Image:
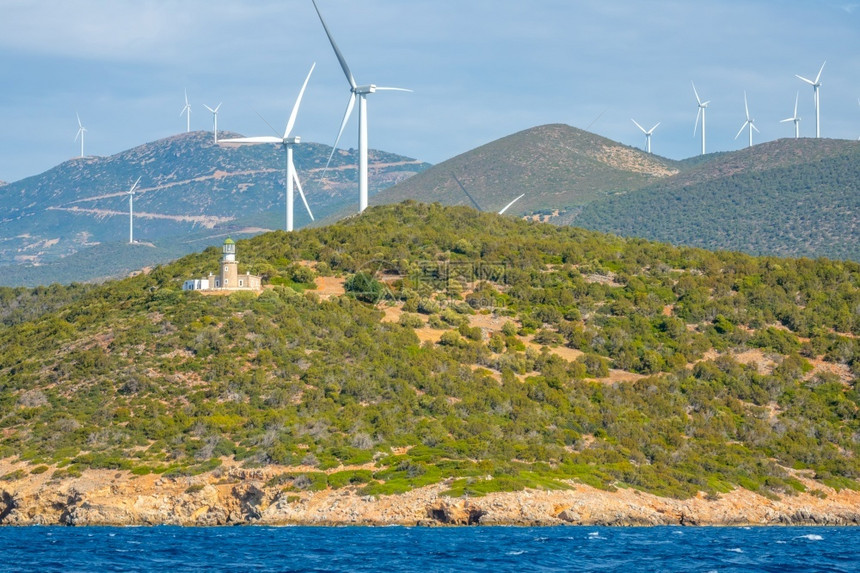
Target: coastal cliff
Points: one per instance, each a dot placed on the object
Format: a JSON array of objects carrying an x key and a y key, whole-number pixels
[{"x": 236, "y": 496}]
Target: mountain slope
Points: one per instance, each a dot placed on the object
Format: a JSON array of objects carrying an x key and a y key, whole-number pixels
[
  {"x": 556, "y": 166},
  {"x": 187, "y": 184},
  {"x": 788, "y": 197},
  {"x": 480, "y": 352}
]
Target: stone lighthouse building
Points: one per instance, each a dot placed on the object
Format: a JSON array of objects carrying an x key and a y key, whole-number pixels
[{"x": 228, "y": 277}]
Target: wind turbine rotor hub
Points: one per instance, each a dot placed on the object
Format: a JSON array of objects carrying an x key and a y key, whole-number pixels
[
  {"x": 361, "y": 90},
  {"x": 292, "y": 140}
]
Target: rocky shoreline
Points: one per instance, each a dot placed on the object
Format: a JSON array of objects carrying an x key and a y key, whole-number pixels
[{"x": 237, "y": 496}]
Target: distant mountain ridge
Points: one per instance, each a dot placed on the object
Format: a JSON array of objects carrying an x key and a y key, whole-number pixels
[
  {"x": 557, "y": 167},
  {"x": 790, "y": 197},
  {"x": 189, "y": 188}
]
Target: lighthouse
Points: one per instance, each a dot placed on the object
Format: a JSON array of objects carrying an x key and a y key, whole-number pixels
[
  {"x": 228, "y": 277},
  {"x": 229, "y": 266}
]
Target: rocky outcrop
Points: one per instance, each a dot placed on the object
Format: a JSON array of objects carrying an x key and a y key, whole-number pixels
[
  {"x": 459, "y": 512},
  {"x": 234, "y": 495}
]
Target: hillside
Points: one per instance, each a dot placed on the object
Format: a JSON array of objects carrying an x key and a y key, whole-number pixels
[
  {"x": 557, "y": 167},
  {"x": 421, "y": 346},
  {"x": 788, "y": 197},
  {"x": 189, "y": 188}
]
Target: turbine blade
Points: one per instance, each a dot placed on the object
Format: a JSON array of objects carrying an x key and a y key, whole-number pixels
[
  {"x": 506, "y": 207},
  {"x": 698, "y": 115},
  {"x": 349, "y": 107},
  {"x": 302, "y": 194},
  {"x": 79, "y": 119},
  {"x": 296, "y": 105},
  {"x": 469, "y": 195},
  {"x": 741, "y": 130},
  {"x": 275, "y": 131},
  {"x": 752, "y": 125},
  {"x": 810, "y": 82},
  {"x": 796, "y": 99},
  {"x": 133, "y": 187},
  {"x": 653, "y": 128},
  {"x": 818, "y": 77},
  {"x": 389, "y": 89},
  {"x": 746, "y": 106},
  {"x": 340, "y": 58},
  {"x": 695, "y": 92},
  {"x": 209, "y": 108},
  {"x": 639, "y": 126},
  {"x": 260, "y": 139},
  {"x": 787, "y": 119}
]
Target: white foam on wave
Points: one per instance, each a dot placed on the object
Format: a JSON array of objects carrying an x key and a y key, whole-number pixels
[
  {"x": 735, "y": 550},
  {"x": 811, "y": 537},
  {"x": 514, "y": 552}
]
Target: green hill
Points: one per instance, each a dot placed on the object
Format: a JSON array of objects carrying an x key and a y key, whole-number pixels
[
  {"x": 788, "y": 197},
  {"x": 558, "y": 167},
  {"x": 490, "y": 352}
]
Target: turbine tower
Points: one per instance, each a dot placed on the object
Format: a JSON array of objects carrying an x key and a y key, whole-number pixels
[
  {"x": 750, "y": 123},
  {"x": 794, "y": 118},
  {"x": 131, "y": 212},
  {"x": 81, "y": 131},
  {"x": 288, "y": 143},
  {"x": 647, "y": 134},
  {"x": 187, "y": 111},
  {"x": 701, "y": 112},
  {"x": 816, "y": 97},
  {"x": 362, "y": 93},
  {"x": 215, "y": 115}
]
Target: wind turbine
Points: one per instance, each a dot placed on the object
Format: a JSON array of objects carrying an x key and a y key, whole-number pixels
[
  {"x": 505, "y": 208},
  {"x": 816, "y": 97},
  {"x": 475, "y": 203},
  {"x": 362, "y": 93},
  {"x": 81, "y": 131},
  {"x": 701, "y": 112},
  {"x": 794, "y": 118},
  {"x": 131, "y": 212},
  {"x": 288, "y": 143},
  {"x": 215, "y": 115},
  {"x": 749, "y": 122},
  {"x": 186, "y": 110},
  {"x": 647, "y": 134}
]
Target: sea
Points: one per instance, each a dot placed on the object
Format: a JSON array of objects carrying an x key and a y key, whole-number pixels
[{"x": 408, "y": 549}]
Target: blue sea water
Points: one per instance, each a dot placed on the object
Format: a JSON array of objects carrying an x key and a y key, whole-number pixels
[{"x": 407, "y": 549}]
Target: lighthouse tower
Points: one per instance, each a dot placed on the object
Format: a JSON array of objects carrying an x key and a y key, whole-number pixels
[
  {"x": 229, "y": 266},
  {"x": 228, "y": 277}
]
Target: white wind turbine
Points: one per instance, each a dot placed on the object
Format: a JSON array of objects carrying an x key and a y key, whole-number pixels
[
  {"x": 647, "y": 134},
  {"x": 475, "y": 203},
  {"x": 701, "y": 112},
  {"x": 215, "y": 115},
  {"x": 361, "y": 92},
  {"x": 81, "y": 131},
  {"x": 750, "y": 123},
  {"x": 187, "y": 111},
  {"x": 288, "y": 143},
  {"x": 816, "y": 97},
  {"x": 794, "y": 118},
  {"x": 131, "y": 212},
  {"x": 505, "y": 208}
]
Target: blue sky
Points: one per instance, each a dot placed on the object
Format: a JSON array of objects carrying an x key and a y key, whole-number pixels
[{"x": 481, "y": 69}]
